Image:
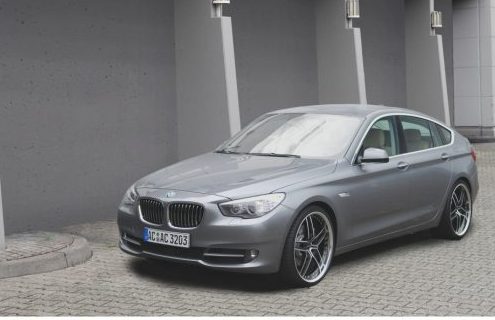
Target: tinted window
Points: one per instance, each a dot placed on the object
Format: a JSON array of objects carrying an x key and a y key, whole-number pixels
[
  {"x": 417, "y": 133},
  {"x": 445, "y": 134},
  {"x": 300, "y": 134},
  {"x": 382, "y": 136}
]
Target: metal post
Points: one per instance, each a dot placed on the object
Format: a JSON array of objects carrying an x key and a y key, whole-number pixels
[{"x": 2, "y": 230}]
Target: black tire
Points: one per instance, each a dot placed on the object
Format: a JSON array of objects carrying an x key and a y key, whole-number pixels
[
  {"x": 448, "y": 228},
  {"x": 288, "y": 273}
]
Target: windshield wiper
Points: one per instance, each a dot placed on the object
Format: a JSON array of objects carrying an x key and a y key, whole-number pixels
[
  {"x": 272, "y": 154},
  {"x": 228, "y": 151}
]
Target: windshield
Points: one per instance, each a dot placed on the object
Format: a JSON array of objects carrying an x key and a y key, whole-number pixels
[{"x": 295, "y": 134}]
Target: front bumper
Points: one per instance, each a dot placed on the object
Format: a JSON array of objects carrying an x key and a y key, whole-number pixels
[{"x": 219, "y": 242}]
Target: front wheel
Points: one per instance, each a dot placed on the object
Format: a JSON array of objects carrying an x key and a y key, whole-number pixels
[
  {"x": 309, "y": 248},
  {"x": 457, "y": 214}
]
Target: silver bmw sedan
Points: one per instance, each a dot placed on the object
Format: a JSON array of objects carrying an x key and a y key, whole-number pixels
[{"x": 298, "y": 186}]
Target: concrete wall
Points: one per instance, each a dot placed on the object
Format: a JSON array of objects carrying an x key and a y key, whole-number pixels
[
  {"x": 207, "y": 99},
  {"x": 275, "y": 48},
  {"x": 467, "y": 64},
  {"x": 87, "y": 105},
  {"x": 339, "y": 54},
  {"x": 487, "y": 75},
  {"x": 384, "y": 53},
  {"x": 425, "y": 66},
  {"x": 383, "y": 37},
  {"x": 473, "y": 67}
]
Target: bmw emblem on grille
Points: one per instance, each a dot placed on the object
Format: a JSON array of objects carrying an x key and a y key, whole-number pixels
[{"x": 170, "y": 194}]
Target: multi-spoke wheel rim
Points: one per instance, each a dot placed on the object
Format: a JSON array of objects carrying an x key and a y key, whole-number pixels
[
  {"x": 460, "y": 209},
  {"x": 313, "y": 247}
]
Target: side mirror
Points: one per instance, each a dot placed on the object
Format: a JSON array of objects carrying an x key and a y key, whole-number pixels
[{"x": 374, "y": 155}]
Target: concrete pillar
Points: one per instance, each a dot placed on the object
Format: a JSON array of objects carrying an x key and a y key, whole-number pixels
[
  {"x": 207, "y": 99},
  {"x": 426, "y": 82},
  {"x": 474, "y": 65},
  {"x": 2, "y": 226},
  {"x": 339, "y": 54},
  {"x": 447, "y": 32},
  {"x": 487, "y": 72},
  {"x": 383, "y": 51}
]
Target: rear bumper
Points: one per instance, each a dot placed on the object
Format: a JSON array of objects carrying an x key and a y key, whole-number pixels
[
  {"x": 219, "y": 242},
  {"x": 474, "y": 184}
]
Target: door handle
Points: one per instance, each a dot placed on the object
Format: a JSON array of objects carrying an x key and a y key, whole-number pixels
[
  {"x": 445, "y": 156},
  {"x": 402, "y": 165}
]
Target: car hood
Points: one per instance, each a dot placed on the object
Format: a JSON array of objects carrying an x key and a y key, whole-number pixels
[{"x": 235, "y": 176}]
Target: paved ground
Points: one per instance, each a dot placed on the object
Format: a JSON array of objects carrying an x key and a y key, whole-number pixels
[
  {"x": 414, "y": 275},
  {"x": 23, "y": 246},
  {"x": 32, "y": 253}
]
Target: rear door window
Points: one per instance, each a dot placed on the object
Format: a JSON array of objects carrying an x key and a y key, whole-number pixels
[{"x": 417, "y": 134}]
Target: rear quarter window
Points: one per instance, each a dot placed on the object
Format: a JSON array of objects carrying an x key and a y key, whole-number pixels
[{"x": 445, "y": 134}]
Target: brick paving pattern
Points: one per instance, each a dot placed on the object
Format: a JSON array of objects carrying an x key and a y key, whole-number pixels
[
  {"x": 22, "y": 246},
  {"x": 413, "y": 275}
]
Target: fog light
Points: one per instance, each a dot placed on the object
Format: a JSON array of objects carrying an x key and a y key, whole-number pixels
[{"x": 252, "y": 254}]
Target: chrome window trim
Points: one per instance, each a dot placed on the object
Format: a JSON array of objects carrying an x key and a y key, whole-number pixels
[{"x": 392, "y": 114}]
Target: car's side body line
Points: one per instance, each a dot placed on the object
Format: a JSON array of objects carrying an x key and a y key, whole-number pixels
[{"x": 391, "y": 235}]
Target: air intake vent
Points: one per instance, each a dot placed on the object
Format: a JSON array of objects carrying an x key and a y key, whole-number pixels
[
  {"x": 185, "y": 215},
  {"x": 152, "y": 211}
]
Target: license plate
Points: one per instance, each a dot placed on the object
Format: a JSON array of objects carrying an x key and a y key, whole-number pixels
[{"x": 167, "y": 238}]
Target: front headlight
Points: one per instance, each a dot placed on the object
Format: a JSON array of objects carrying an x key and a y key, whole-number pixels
[
  {"x": 130, "y": 197},
  {"x": 254, "y": 207}
]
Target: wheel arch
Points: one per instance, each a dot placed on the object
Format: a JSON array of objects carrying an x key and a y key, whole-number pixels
[
  {"x": 317, "y": 201},
  {"x": 331, "y": 213},
  {"x": 328, "y": 209},
  {"x": 466, "y": 180}
]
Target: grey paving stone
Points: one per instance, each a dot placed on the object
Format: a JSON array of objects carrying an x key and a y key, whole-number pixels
[{"x": 38, "y": 252}]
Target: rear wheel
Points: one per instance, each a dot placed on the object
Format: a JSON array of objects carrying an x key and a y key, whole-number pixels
[
  {"x": 457, "y": 214},
  {"x": 309, "y": 248}
]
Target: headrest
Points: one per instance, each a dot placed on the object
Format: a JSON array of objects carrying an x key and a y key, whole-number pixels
[
  {"x": 375, "y": 138},
  {"x": 412, "y": 135}
]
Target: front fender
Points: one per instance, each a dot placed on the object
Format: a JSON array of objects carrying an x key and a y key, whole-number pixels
[{"x": 299, "y": 199}]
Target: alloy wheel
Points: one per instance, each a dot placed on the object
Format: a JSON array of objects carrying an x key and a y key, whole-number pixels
[
  {"x": 313, "y": 247},
  {"x": 460, "y": 209}
]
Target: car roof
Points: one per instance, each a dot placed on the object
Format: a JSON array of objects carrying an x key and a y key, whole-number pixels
[{"x": 353, "y": 110}]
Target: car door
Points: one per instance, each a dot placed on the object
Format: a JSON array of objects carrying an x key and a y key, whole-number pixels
[
  {"x": 425, "y": 159},
  {"x": 376, "y": 191}
]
